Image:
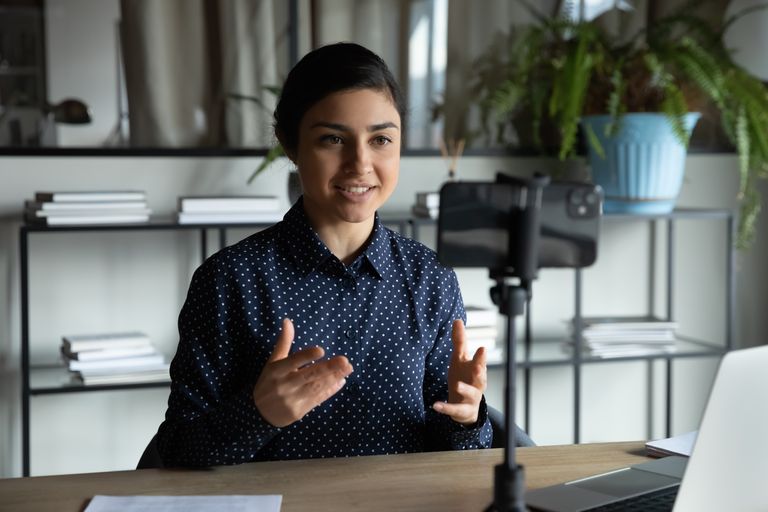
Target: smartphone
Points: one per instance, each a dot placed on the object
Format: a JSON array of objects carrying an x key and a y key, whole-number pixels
[{"x": 477, "y": 223}]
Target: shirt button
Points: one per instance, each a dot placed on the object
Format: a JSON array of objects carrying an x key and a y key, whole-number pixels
[{"x": 351, "y": 334}]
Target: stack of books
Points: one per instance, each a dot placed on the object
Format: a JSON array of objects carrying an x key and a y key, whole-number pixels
[
  {"x": 482, "y": 331},
  {"x": 427, "y": 205},
  {"x": 229, "y": 210},
  {"x": 627, "y": 336},
  {"x": 89, "y": 207},
  {"x": 113, "y": 358}
]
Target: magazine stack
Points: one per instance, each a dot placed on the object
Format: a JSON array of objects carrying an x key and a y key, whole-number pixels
[
  {"x": 427, "y": 205},
  {"x": 627, "y": 336},
  {"x": 482, "y": 331},
  {"x": 229, "y": 210},
  {"x": 89, "y": 207},
  {"x": 113, "y": 358}
]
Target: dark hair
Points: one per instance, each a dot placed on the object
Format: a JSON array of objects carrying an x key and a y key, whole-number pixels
[{"x": 326, "y": 70}]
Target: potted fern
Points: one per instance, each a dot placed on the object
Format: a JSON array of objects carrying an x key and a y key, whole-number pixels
[{"x": 589, "y": 85}]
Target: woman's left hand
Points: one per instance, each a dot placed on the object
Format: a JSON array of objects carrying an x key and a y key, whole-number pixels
[{"x": 467, "y": 379}]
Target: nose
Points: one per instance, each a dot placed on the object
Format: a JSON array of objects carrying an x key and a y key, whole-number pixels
[{"x": 359, "y": 160}]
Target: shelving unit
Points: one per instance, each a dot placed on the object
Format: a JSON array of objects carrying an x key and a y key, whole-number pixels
[
  {"x": 22, "y": 73},
  {"x": 539, "y": 353},
  {"x": 46, "y": 380}
]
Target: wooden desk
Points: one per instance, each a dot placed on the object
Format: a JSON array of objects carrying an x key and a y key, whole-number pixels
[{"x": 443, "y": 481}]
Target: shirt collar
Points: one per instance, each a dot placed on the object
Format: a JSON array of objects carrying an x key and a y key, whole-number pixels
[{"x": 308, "y": 252}]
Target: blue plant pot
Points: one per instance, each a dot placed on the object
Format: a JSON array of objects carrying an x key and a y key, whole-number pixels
[{"x": 644, "y": 163}]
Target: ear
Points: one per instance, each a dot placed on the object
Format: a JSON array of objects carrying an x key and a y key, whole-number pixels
[{"x": 281, "y": 139}]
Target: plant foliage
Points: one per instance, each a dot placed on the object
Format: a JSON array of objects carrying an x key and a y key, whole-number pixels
[{"x": 556, "y": 70}]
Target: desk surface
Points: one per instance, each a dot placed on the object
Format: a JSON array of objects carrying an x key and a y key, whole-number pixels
[{"x": 421, "y": 482}]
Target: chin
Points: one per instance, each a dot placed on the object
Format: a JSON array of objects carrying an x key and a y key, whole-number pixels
[{"x": 357, "y": 215}]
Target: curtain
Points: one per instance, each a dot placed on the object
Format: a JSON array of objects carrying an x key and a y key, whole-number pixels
[{"x": 196, "y": 71}]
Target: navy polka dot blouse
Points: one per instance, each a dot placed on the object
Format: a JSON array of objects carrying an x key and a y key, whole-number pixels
[{"x": 390, "y": 312}]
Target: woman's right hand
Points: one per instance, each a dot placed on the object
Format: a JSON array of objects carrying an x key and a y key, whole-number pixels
[{"x": 292, "y": 385}]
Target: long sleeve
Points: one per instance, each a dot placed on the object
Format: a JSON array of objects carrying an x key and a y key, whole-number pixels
[
  {"x": 442, "y": 432},
  {"x": 211, "y": 418}
]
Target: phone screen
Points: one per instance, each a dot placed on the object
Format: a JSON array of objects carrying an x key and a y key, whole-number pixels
[{"x": 476, "y": 222}]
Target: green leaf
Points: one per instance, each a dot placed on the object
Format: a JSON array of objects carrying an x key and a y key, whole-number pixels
[{"x": 273, "y": 154}]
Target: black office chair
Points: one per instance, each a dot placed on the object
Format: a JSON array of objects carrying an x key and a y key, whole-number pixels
[
  {"x": 151, "y": 456},
  {"x": 499, "y": 432}
]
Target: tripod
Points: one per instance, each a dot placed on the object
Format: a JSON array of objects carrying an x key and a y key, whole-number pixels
[{"x": 509, "y": 477}]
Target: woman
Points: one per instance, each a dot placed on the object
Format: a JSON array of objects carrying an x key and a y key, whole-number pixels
[{"x": 327, "y": 334}]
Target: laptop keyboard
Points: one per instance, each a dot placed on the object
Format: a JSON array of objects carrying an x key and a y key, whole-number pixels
[{"x": 656, "y": 501}]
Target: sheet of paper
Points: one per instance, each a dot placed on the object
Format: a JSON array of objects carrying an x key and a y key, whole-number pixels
[
  {"x": 234, "y": 503},
  {"x": 677, "y": 445}
]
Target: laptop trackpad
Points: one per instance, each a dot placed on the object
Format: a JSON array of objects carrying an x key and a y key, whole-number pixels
[{"x": 625, "y": 482}]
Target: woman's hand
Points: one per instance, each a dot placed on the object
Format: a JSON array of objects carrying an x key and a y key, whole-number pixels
[
  {"x": 292, "y": 385},
  {"x": 467, "y": 379}
]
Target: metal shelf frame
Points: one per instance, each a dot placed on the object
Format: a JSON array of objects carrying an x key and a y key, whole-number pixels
[
  {"x": 577, "y": 360},
  {"x": 398, "y": 220},
  {"x": 404, "y": 222}
]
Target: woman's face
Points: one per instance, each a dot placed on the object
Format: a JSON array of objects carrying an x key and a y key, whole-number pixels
[{"x": 348, "y": 156}]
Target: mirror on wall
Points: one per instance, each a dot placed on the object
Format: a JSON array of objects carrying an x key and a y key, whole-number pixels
[
  {"x": 200, "y": 75},
  {"x": 194, "y": 74}
]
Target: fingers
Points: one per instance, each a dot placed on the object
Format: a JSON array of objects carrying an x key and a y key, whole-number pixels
[
  {"x": 459, "y": 343},
  {"x": 318, "y": 390},
  {"x": 480, "y": 357},
  {"x": 284, "y": 341},
  {"x": 466, "y": 414}
]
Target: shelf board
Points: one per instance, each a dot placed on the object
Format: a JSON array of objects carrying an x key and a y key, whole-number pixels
[
  {"x": 46, "y": 380},
  {"x": 555, "y": 352},
  {"x": 166, "y": 223}
]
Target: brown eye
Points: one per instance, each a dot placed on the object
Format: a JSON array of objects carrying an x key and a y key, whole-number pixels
[
  {"x": 382, "y": 140},
  {"x": 332, "y": 139}
]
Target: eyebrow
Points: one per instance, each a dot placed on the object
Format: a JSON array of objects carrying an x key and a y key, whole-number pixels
[{"x": 344, "y": 128}]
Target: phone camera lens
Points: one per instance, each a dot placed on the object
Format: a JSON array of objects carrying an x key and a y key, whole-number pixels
[
  {"x": 576, "y": 197},
  {"x": 590, "y": 198}
]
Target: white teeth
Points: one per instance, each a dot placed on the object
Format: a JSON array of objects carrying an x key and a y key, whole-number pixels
[{"x": 356, "y": 190}]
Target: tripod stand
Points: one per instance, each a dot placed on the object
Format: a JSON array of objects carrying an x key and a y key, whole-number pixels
[{"x": 509, "y": 477}]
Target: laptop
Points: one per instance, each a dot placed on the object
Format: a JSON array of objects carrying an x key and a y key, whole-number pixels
[{"x": 727, "y": 470}]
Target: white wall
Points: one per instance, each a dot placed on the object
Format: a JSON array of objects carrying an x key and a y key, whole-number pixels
[{"x": 94, "y": 281}]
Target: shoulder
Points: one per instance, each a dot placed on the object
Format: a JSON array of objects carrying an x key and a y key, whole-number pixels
[
  {"x": 417, "y": 260},
  {"x": 253, "y": 252}
]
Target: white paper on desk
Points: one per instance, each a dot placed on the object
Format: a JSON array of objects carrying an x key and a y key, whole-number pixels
[
  {"x": 234, "y": 503},
  {"x": 677, "y": 445}
]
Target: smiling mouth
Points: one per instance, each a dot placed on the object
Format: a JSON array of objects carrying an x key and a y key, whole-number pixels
[{"x": 355, "y": 190}]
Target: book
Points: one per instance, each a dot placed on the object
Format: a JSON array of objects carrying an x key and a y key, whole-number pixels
[
  {"x": 235, "y": 204},
  {"x": 101, "y": 212},
  {"x": 149, "y": 373},
  {"x": 108, "y": 353},
  {"x": 119, "y": 363},
  {"x": 428, "y": 199},
  {"x": 78, "y": 220},
  {"x": 423, "y": 211},
  {"x": 230, "y": 217},
  {"x": 624, "y": 349},
  {"x": 482, "y": 332},
  {"x": 100, "y": 341},
  {"x": 85, "y": 205},
  {"x": 474, "y": 344},
  {"x": 481, "y": 317},
  {"x": 90, "y": 196},
  {"x": 626, "y": 323}
]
